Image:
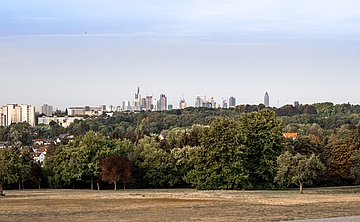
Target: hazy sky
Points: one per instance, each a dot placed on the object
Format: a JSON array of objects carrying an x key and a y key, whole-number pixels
[{"x": 90, "y": 52}]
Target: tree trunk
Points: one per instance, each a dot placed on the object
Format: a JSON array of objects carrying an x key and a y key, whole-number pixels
[
  {"x": 1, "y": 190},
  {"x": 19, "y": 182},
  {"x": 92, "y": 183},
  {"x": 301, "y": 187},
  {"x": 115, "y": 185},
  {"x": 39, "y": 184},
  {"x": 22, "y": 182},
  {"x": 124, "y": 186},
  {"x": 98, "y": 185}
]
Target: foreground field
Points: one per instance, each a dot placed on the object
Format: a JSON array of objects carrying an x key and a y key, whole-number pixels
[{"x": 178, "y": 205}]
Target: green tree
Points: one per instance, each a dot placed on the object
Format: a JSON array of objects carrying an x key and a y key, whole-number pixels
[
  {"x": 264, "y": 142},
  {"x": 79, "y": 160},
  {"x": 220, "y": 161},
  {"x": 8, "y": 173},
  {"x": 298, "y": 169}
]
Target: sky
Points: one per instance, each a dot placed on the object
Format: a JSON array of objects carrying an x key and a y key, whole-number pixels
[{"x": 88, "y": 52}]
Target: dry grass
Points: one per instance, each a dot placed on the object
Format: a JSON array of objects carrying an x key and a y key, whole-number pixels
[{"x": 178, "y": 205}]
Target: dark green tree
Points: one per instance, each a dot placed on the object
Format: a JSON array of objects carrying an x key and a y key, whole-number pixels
[
  {"x": 264, "y": 142},
  {"x": 220, "y": 161},
  {"x": 8, "y": 172}
]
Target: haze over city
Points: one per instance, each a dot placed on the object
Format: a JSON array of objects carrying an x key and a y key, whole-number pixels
[{"x": 69, "y": 53}]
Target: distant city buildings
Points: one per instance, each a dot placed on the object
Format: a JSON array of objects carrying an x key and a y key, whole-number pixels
[
  {"x": 296, "y": 103},
  {"x": 62, "y": 121},
  {"x": 162, "y": 103},
  {"x": 46, "y": 110},
  {"x": 182, "y": 104},
  {"x": 266, "y": 100},
  {"x": 232, "y": 102},
  {"x": 86, "y": 110},
  {"x": 201, "y": 101},
  {"x": 14, "y": 113},
  {"x": 224, "y": 104}
]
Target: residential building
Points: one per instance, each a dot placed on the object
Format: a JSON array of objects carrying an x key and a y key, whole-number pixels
[
  {"x": 62, "y": 121},
  {"x": 14, "y": 113},
  {"x": 46, "y": 109}
]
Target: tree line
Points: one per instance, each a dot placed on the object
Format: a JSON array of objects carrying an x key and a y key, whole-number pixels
[{"x": 241, "y": 148}]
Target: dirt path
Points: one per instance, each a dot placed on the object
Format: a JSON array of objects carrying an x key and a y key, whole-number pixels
[{"x": 177, "y": 205}]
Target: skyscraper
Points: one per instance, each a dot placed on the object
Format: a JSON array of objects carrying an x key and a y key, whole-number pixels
[
  {"x": 232, "y": 102},
  {"x": 182, "y": 104},
  {"x": 136, "y": 102},
  {"x": 266, "y": 99},
  {"x": 162, "y": 103},
  {"x": 149, "y": 103}
]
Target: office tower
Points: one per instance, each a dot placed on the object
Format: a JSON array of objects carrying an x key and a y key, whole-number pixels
[
  {"x": 197, "y": 101},
  {"x": 162, "y": 103},
  {"x": 266, "y": 99},
  {"x": 182, "y": 104},
  {"x": 149, "y": 103},
  {"x": 170, "y": 107},
  {"x": 126, "y": 105},
  {"x": 46, "y": 109},
  {"x": 211, "y": 102},
  {"x": 142, "y": 103},
  {"x": 232, "y": 102},
  {"x": 136, "y": 102},
  {"x": 224, "y": 104},
  {"x": 296, "y": 103}
]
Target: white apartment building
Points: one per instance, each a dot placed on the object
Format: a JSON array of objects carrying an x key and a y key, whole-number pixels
[
  {"x": 14, "y": 113},
  {"x": 62, "y": 121}
]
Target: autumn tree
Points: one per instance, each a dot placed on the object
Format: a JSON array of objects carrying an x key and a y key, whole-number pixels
[
  {"x": 116, "y": 168},
  {"x": 298, "y": 169},
  {"x": 340, "y": 150}
]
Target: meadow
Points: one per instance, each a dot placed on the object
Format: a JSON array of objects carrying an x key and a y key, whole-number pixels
[{"x": 178, "y": 205}]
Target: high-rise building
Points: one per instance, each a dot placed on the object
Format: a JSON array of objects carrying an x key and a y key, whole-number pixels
[
  {"x": 126, "y": 105},
  {"x": 46, "y": 109},
  {"x": 224, "y": 104},
  {"x": 14, "y": 113},
  {"x": 266, "y": 100},
  {"x": 232, "y": 102},
  {"x": 296, "y": 103},
  {"x": 182, "y": 104},
  {"x": 136, "y": 102},
  {"x": 149, "y": 103},
  {"x": 162, "y": 103},
  {"x": 143, "y": 104}
]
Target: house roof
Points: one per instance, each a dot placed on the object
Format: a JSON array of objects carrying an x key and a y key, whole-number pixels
[{"x": 290, "y": 135}]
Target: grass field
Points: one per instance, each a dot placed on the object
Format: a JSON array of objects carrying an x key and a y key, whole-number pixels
[{"x": 178, "y": 205}]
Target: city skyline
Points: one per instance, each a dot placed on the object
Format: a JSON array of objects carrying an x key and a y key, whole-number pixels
[{"x": 88, "y": 52}]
